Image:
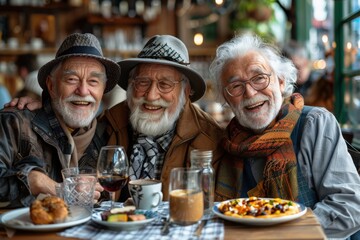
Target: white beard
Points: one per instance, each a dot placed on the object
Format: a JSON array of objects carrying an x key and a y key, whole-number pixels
[
  {"x": 75, "y": 118},
  {"x": 151, "y": 124},
  {"x": 259, "y": 120}
]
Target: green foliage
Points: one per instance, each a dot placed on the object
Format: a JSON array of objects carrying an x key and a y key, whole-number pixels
[{"x": 253, "y": 15}]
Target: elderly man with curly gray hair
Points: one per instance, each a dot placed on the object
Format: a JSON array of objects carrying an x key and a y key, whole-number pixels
[{"x": 277, "y": 147}]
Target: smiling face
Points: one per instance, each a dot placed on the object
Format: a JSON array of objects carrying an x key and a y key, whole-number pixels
[
  {"x": 152, "y": 111},
  {"x": 254, "y": 109},
  {"x": 76, "y": 88}
]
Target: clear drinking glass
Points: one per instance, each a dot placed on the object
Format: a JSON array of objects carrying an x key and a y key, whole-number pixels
[
  {"x": 76, "y": 172},
  {"x": 78, "y": 194},
  {"x": 186, "y": 196},
  {"x": 113, "y": 169}
]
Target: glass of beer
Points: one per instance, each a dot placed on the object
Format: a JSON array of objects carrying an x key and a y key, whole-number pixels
[{"x": 186, "y": 196}]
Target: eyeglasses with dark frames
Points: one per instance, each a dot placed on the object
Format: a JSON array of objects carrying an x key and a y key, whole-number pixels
[
  {"x": 164, "y": 85},
  {"x": 257, "y": 82}
]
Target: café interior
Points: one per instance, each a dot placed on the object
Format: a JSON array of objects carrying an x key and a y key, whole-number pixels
[{"x": 328, "y": 32}]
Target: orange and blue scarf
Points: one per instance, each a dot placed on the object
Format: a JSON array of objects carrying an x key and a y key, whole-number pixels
[{"x": 274, "y": 144}]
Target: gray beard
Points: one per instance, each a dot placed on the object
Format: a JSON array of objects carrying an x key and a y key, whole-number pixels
[
  {"x": 150, "y": 125},
  {"x": 250, "y": 121},
  {"x": 73, "y": 119}
]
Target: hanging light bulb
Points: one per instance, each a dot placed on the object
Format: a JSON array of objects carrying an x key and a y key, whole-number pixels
[
  {"x": 198, "y": 39},
  {"x": 220, "y": 6}
]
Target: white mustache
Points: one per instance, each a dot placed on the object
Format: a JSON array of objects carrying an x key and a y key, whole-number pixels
[
  {"x": 160, "y": 102},
  {"x": 74, "y": 98},
  {"x": 252, "y": 101}
]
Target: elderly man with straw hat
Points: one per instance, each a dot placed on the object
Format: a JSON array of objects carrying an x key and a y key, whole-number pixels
[
  {"x": 36, "y": 145},
  {"x": 158, "y": 124}
]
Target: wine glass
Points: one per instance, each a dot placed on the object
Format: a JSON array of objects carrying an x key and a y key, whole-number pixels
[{"x": 112, "y": 170}]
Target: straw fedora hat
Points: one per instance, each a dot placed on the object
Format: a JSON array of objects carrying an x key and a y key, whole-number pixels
[
  {"x": 81, "y": 45},
  {"x": 167, "y": 50}
]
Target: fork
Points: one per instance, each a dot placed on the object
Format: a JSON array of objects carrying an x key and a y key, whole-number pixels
[
  {"x": 199, "y": 228},
  {"x": 165, "y": 229}
]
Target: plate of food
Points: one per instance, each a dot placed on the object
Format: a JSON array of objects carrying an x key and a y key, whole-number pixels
[
  {"x": 126, "y": 218},
  {"x": 259, "y": 211},
  {"x": 42, "y": 218}
]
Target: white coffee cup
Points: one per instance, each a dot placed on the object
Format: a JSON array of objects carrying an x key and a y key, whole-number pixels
[{"x": 146, "y": 193}]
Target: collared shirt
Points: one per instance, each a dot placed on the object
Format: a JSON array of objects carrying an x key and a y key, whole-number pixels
[{"x": 329, "y": 170}]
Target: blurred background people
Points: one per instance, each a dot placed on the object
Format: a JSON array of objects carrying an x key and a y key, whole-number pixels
[
  {"x": 321, "y": 93},
  {"x": 4, "y": 96},
  {"x": 299, "y": 56},
  {"x": 27, "y": 68}
]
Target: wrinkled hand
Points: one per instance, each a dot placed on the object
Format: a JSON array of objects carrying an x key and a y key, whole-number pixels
[
  {"x": 24, "y": 102},
  {"x": 98, "y": 188},
  {"x": 41, "y": 183},
  {"x": 97, "y": 193}
]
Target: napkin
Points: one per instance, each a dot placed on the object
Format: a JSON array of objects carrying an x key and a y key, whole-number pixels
[{"x": 214, "y": 229}]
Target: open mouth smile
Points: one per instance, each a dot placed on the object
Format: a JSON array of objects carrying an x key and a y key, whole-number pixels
[
  {"x": 81, "y": 103},
  {"x": 255, "y": 106}
]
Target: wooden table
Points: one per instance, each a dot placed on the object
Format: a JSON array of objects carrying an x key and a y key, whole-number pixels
[{"x": 306, "y": 227}]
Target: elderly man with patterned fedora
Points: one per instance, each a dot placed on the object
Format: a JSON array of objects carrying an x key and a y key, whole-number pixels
[
  {"x": 36, "y": 145},
  {"x": 158, "y": 124}
]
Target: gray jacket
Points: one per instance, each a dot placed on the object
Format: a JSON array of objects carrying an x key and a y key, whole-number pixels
[{"x": 329, "y": 171}]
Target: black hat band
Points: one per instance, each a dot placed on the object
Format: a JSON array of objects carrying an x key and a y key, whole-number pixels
[{"x": 81, "y": 50}]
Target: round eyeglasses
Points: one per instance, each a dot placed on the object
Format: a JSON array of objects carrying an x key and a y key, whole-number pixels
[
  {"x": 143, "y": 84},
  {"x": 258, "y": 82}
]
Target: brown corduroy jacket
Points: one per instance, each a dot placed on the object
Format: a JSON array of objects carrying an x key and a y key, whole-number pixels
[{"x": 195, "y": 130}]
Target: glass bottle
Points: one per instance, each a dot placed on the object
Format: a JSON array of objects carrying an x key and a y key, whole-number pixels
[{"x": 202, "y": 159}]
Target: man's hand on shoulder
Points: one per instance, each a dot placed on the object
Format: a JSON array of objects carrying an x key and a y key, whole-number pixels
[{"x": 24, "y": 102}]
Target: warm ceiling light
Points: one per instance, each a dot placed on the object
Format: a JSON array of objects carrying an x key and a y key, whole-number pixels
[
  {"x": 219, "y": 2},
  {"x": 198, "y": 39},
  {"x": 325, "y": 38},
  {"x": 348, "y": 45}
]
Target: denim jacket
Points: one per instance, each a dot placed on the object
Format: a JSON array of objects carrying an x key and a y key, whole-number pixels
[{"x": 28, "y": 141}]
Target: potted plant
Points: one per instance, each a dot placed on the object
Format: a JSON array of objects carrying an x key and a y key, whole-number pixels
[{"x": 253, "y": 16}]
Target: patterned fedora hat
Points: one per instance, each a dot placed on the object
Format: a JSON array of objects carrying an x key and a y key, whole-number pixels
[
  {"x": 167, "y": 50},
  {"x": 81, "y": 45}
]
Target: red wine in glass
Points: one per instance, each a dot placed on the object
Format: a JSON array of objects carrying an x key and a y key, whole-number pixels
[
  {"x": 112, "y": 170},
  {"x": 113, "y": 183}
]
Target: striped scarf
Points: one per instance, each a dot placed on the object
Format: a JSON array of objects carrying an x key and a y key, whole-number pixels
[{"x": 274, "y": 144}]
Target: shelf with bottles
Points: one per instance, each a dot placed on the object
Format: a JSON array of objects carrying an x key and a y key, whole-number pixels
[
  {"x": 45, "y": 25},
  {"x": 115, "y": 20},
  {"x": 20, "y": 51},
  {"x": 6, "y": 53},
  {"x": 51, "y": 8}
]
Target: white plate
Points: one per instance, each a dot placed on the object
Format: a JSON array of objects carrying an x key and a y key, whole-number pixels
[
  {"x": 260, "y": 221},
  {"x": 127, "y": 226},
  {"x": 20, "y": 219}
]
